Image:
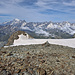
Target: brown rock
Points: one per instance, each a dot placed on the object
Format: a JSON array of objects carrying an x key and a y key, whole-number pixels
[
  {"x": 33, "y": 57},
  {"x": 43, "y": 61},
  {"x": 24, "y": 69},
  {"x": 28, "y": 57},
  {"x": 26, "y": 62},
  {"x": 0, "y": 69},
  {"x": 46, "y": 44},
  {"x": 17, "y": 71},
  {"x": 4, "y": 52},
  {"x": 57, "y": 60},
  {"x": 30, "y": 70},
  {"x": 9, "y": 54},
  {"x": 41, "y": 71},
  {"x": 0, "y": 58},
  {"x": 73, "y": 56},
  {"x": 28, "y": 53}
]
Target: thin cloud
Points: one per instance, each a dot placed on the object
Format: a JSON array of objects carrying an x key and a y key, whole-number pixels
[
  {"x": 38, "y": 10},
  {"x": 72, "y": 3}
]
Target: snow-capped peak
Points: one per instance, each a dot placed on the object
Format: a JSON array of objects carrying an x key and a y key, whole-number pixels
[{"x": 16, "y": 19}]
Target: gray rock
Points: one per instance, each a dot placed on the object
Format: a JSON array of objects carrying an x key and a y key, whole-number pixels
[{"x": 4, "y": 72}]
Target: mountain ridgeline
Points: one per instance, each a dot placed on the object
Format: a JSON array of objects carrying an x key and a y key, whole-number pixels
[{"x": 37, "y": 29}]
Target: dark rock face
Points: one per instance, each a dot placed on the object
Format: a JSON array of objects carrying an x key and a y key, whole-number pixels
[
  {"x": 74, "y": 36},
  {"x": 15, "y": 36}
]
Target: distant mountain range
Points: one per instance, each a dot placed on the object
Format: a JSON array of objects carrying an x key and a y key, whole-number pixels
[{"x": 37, "y": 29}]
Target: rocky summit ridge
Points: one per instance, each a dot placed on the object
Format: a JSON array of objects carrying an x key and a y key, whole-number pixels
[
  {"x": 41, "y": 59},
  {"x": 15, "y": 36}
]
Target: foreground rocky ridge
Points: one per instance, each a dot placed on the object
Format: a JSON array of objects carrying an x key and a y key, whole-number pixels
[
  {"x": 42, "y": 59},
  {"x": 15, "y": 36}
]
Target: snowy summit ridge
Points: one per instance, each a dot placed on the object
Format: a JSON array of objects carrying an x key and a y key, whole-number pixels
[{"x": 16, "y": 19}]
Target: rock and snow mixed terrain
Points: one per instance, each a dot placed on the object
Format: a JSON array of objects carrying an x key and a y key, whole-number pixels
[
  {"x": 64, "y": 42},
  {"x": 18, "y": 36},
  {"x": 25, "y": 40}
]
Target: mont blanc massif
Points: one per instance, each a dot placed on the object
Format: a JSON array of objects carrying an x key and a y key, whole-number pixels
[{"x": 46, "y": 30}]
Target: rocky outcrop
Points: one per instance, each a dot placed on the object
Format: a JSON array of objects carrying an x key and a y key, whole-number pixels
[
  {"x": 74, "y": 36},
  {"x": 15, "y": 36}
]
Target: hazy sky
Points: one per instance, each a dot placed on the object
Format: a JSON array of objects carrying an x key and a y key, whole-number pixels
[{"x": 37, "y": 10}]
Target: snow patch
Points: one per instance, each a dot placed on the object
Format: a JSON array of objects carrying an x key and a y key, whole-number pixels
[
  {"x": 23, "y": 24},
  {"x": 24, "y": 41},
  {"x": 21, "y": 40},
  {"x": 16, "y": 19},
  {"x": 26, "y": 28},
  {"x": 64, "y": 42},
  {"x": 23, "y": 37},
  {"x": 41, "y": 31}
]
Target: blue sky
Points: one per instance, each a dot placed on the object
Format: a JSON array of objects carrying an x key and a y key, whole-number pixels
[{"x": 37, "y": 10}]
